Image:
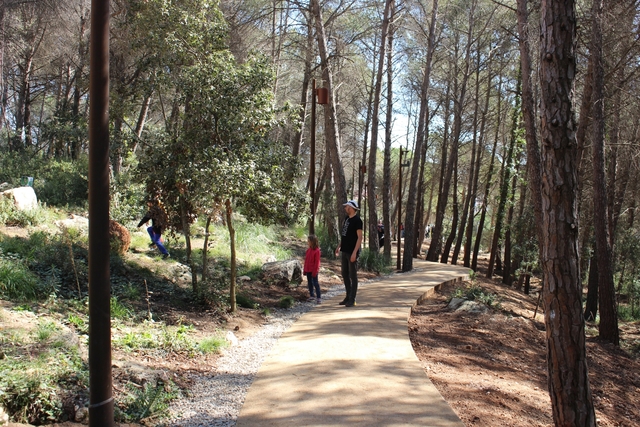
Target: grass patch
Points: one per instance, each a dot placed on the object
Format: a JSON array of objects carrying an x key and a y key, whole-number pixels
[
  {"x": 17, "y": 282},
  {"x": 213, "y": 345}
]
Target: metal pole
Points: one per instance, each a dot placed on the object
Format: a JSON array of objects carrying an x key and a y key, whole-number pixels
[
  {"x": 312, "y": 161},
  {"x": 100, "y": 383},
  {"x": 399, "y": 231}
]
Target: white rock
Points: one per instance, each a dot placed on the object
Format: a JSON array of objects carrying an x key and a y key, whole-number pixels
[{"x": 24, "y": 198}]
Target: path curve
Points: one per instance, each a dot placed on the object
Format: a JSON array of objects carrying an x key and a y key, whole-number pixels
[{"x": 339, "y": 366}]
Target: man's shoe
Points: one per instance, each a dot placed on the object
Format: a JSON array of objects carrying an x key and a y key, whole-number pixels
[
  {"x": 152, "y": 245},
  {"x": 343, "y": 302},
  {"x": 350, "y": 304},
  {"x": 165, "y": 256}
]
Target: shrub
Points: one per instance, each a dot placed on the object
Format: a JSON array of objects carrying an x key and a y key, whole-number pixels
[
  {"x": 286, "y": 301},
  {"x": 246, "y": 301},
  {"x": 63, "y": 183},
  {"x": 374, "y": 261},
  {"x": 17, "y": 283},
  {"x": 142, "y": 402},
  {"x": 10, "y": 215},
  {"x": 475, "y": 292}
]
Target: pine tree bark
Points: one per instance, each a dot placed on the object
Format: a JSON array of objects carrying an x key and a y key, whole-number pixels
[
  {"x": 608, "y": 308},
  {"x": 571, "y": 399}
]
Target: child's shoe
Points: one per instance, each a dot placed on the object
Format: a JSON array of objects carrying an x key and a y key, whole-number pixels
[
  {"x": 318, "y": 301},
  {"x": 311, "y": 299}
]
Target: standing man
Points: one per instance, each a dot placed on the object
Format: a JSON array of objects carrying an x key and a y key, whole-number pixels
[{"x": 350, "y": 241}]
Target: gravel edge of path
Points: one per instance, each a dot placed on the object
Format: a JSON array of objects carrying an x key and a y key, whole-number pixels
[{"x": 216, "y": 399}]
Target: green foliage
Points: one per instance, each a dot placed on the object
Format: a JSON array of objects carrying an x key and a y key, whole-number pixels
[
  {"x": 475, "y": 292},
  {"x": 246, "y": 301},
  {"x": 628, "y": 313},
  {"x": 78, "y": 322},
  {"x": 14, "y": 166},
  {"x": 17, "y": 283},
  {"x": 119, "y": 310},
  {"x": 10, "y": 215},
  {"x": 158, "y": 337},
  {"x": 34, "y": 377},
  {"x": 63, "y": 183},
  {"x": 286, "y": 301},
  {"x": 127, "y": 199},
  {"x": 45, "y": 330},
  {"x": 212, "y": 345},
  {"x": 327, "y": 246},
  {"x": 142, "y": 402},
  {"x": 48, "y": 257},
  {"x": 374, "y": 261}
]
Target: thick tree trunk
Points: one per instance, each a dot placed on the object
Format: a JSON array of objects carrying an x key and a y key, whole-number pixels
[{"x": 569, "y": 389}]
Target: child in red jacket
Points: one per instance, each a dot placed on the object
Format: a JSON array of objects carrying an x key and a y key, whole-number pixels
[{"x": 312, "y": 267}]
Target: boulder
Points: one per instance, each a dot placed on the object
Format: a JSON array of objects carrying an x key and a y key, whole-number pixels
[
  {"x": 119, "y": 237},
  {"x": 283, "y": 272},
  {"x": 24, "y": 198},
  {"x": 461, "y": 304},
  {"x": 76, "y": 222}
]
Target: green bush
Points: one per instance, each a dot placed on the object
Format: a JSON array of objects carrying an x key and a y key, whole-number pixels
[
  {"x": 17, "y": 283},
  {"x": 63, "y": 183},
  {"x": 373, "y": 261},
  {"x": 286, "y": 301}
]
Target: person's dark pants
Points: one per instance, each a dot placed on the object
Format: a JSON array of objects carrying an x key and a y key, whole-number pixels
[
  {"x": 156, "y": 238},
  {"x": 350, "y": 276},
  {"x": 313, "y": 284}
]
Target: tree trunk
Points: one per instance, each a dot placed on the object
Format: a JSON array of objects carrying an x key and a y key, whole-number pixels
[
  {"x": 436, "y": 233},
  {"x": 505, "y": 183},
  {"x": 205, "y": 250},
  {"x": 608, "y": 308},
  {"x": 454, "y": 217},
  {"x": 485, "y": 200},
  {"x": 569, "y": 389},
  {"x": 187, "y": 238},
  {"x": 591, "y": 305},
  {"x": 529, "y": 115},
  {"x": 420, "y": 148},
  {"x": 233, "y": 262},
  {"x": 332, "y": 135},
  {"x": 371, "y": 177},
  {"x": 468, "y": 243}
]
